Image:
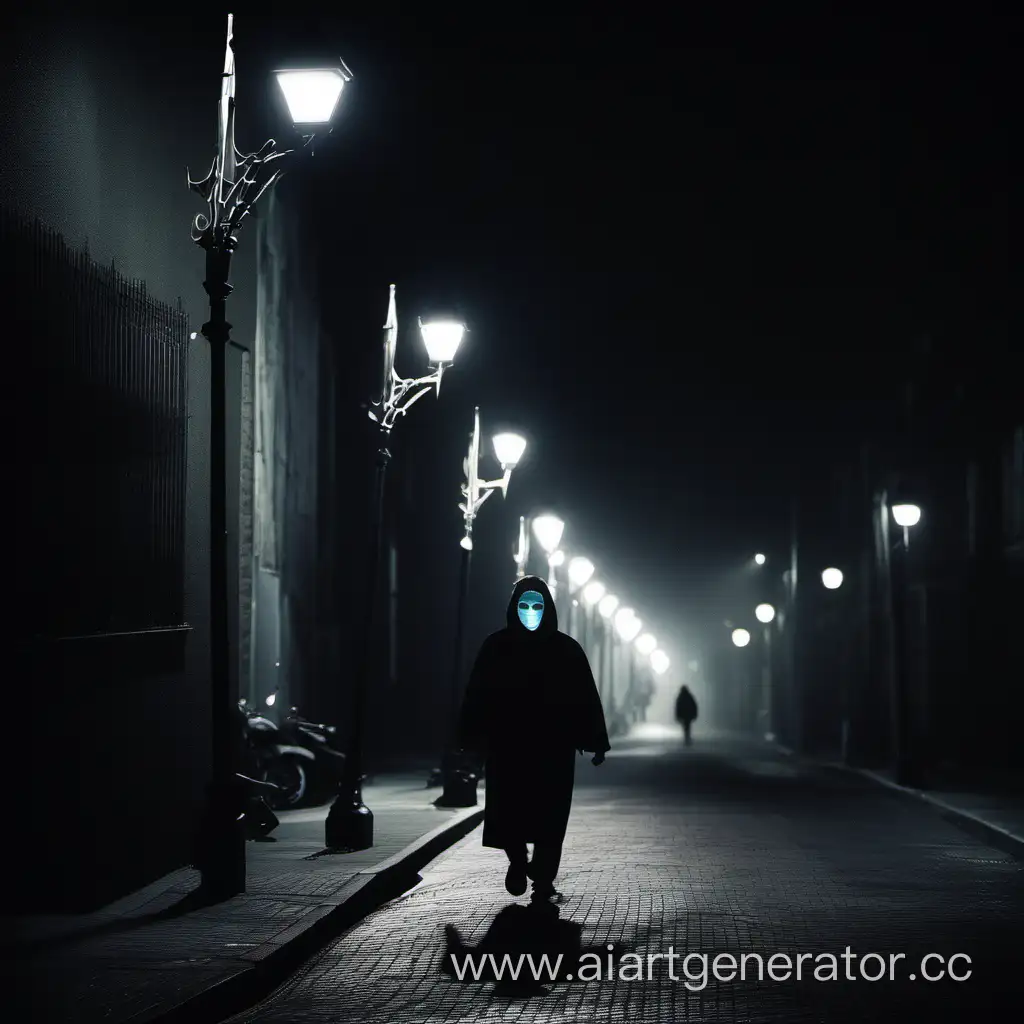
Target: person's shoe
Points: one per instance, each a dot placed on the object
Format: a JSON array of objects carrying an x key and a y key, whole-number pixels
[
  {"x": 544, "y": 893},
  {"x": 515, "y": 879}
]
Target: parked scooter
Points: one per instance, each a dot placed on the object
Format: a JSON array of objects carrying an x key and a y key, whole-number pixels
[
  {"x": 329, "y": 760},
  {"x": 273, "y": 759}
]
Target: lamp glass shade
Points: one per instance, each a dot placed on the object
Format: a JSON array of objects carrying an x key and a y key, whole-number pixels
[
  {"x": 659, "y": 662},
  {"x": 832, "y": 579},
  {"x": 646, "y": 643},
  {"x": 607, "y": 606},
  {"x": 764, "y": 613},
  {"x": 580, "y": 571},
  {"x": 508, "y": 448},
  {"x": 740, "y": 637},
  {"x": 442, "y": 339},
  {"x": 593, "y": 592},
  {"x": 311, "y": 95},
  {"x": 906, "y": 515},
  {"x": 759, "y": 558},
  {"x": 548, "y": 531}
]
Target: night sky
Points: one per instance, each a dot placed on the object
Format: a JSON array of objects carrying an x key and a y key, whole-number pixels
[{"x": 692, "y": 254}]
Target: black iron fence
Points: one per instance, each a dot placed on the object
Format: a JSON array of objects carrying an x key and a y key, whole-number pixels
[{"x": 98, "y": 411}]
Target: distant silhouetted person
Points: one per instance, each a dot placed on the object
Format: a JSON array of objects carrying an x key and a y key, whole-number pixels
[
  {"x": 531, "y": 705},
  {"x": 686, "y": 711}
]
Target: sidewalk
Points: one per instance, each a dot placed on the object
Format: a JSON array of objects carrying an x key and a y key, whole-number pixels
[
  {"x": 992, "y": 812},
  {"x": 152, "y": 956}
]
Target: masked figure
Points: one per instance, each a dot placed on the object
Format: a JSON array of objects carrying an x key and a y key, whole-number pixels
[{"x": 531, "y": 705}]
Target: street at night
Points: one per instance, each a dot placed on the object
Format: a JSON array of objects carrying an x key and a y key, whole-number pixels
[
  {"x": 722, "y": 848},
  {"x": 511, "y": 517}
]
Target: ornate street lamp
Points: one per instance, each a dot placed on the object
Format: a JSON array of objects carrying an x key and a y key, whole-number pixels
[
  {"x": 349, "y": 824},
  {"x": 459, "y": 780},
  {"x": 231, "y": 189}
]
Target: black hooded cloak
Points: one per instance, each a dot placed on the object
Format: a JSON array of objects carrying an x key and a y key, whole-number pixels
[{"x": 530, "y": 704}]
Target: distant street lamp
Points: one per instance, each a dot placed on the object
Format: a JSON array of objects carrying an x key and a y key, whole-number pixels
[
  {"x": 555, "y": 561},
  {"x": 349, "y": 824},
  {"x": 234, "y": 184},
  {"x": 593, "y": 592},
  {"x": 627, "y": 625},
  {"x": 765, "y": 614},
  {"x": 580, "y": 571},
  {"x": 459, "y": 782},
  {"x": 740, "y": 637},
  {"x": 906, "y": 516},
  {"x": 646, "y": 644},
  {"x": 659, "y": 662},
  {"x": 832, "y": 579},
  {"x": 606, "y": 609},
  {"x": 521, "y": 553},
  {"x": 895, "y": 595},
  {"x": 759, "y": 559},
  {"x": 548, "y": 530}
]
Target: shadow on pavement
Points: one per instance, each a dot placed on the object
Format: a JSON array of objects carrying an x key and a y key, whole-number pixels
[
  {"x": 190, "y": 902},
  {"x": 513, "y": 950}
]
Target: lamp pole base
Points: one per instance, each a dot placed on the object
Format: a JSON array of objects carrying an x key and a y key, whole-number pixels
[
  {"x": 349, "y": 825},
  {"x": 220, "y": 845},
  {"x": 459, "y": 778}
]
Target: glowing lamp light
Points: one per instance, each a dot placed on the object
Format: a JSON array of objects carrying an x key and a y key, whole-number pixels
[
  {"x": 740, "y": 637},
  {"x": 311, "y": 95},
  {"x": 271, "y": 699},
  {"x": 593, "y": 592},
  {"x": 645, "y": 644},
  {"x": 906, "y": 515},
  {"x": 548, "y": 531},
  {"x": 580, "y": 570},
  {"x": 557, "y": 559},
  {"x": 441, "y": 339},
  {"x": 607, "y": 606},
  {"x": 508, "y": 448},
  {"x": 759, "y": 558},
  {"x": 694, "y": 666},
  {"x": 627, "y": 625},
  {"x": 832, "y": 579},
  {"x": 466, "y": 543},
  {"x": 659, "y": 662},
  {"x": 764, "y": 613}
]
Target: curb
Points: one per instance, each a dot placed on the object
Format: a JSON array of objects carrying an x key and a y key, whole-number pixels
[
  {"x": 999, "y": 837},
  {"x": 272, "y": 963}
]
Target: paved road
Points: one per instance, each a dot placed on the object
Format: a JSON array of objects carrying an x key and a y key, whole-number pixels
[{"x": 713, "y": 849}]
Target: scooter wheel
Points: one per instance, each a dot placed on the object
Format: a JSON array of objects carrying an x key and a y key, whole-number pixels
[{"x": 289, "y": 775}]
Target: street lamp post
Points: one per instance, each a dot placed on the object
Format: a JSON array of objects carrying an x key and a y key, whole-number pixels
[
  {"x": 606, "y": 609},
  {"x": 349, "y": 824},
  {"x": 233, "y": 186},
  {"x": 645, "y": 645},
  {"x": 580, "y": 570},
  {"x": 459, "y": 782},
  {"x": 765, "y": 614},
  {"x": 627, "y": 625},
  {"x": 895, "y": 597},
  {"x": 592, "y": 594},
  {"x": 548, "y": 530},
  {"x": 521, "y": 553}
]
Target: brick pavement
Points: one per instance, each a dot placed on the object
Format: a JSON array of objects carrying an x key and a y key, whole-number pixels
[
  {"x": 715, "y": 849},
  {"x": 143, "y": 955}
]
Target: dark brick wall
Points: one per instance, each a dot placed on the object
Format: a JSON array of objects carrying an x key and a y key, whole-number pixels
[{"x": 96, "y": 131}]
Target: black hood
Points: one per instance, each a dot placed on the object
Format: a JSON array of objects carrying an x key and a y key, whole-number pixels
[{"x": 549, "y": 620}]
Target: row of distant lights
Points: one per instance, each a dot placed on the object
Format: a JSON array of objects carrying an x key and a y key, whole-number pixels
[
  {"x": 831, "y": 578},
  {"x": 548, "y": 531}
]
